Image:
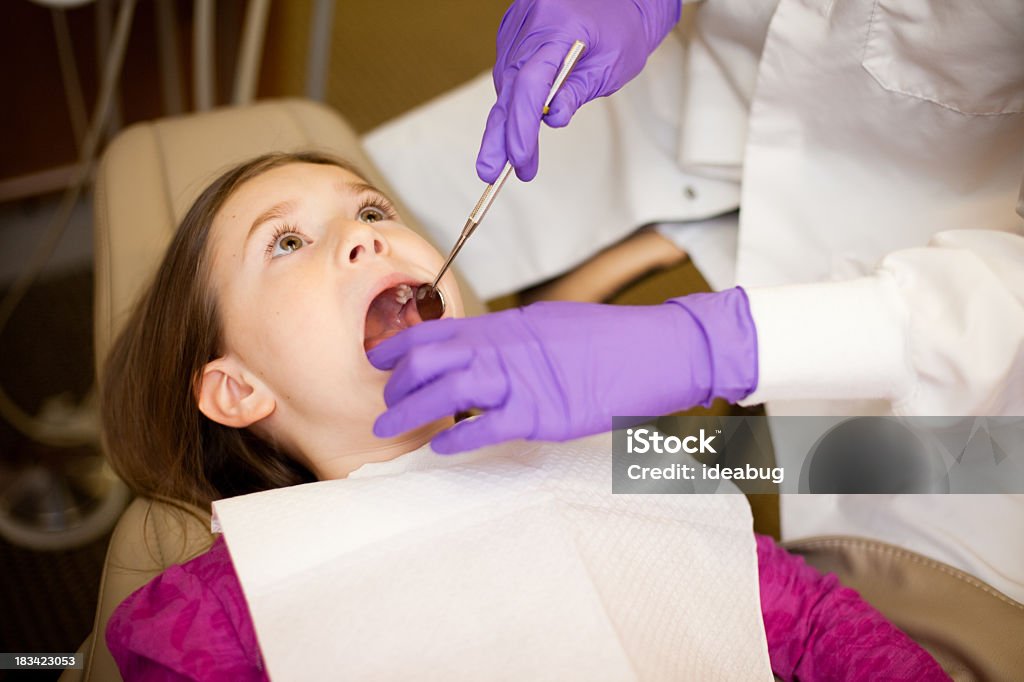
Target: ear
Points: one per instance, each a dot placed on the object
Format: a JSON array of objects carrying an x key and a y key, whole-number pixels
[{"x": 229, "y": 395}]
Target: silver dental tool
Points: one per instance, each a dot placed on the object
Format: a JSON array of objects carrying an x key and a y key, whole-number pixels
[{"x": 430, "y": 302}]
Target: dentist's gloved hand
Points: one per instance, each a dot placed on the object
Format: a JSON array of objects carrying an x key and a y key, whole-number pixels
[
  {"x": 533, "y": 38},
  {"x": 556, "y": 371}
]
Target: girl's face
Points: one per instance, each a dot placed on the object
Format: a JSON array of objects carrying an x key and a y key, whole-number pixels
[{"x": 305, "y": 261}]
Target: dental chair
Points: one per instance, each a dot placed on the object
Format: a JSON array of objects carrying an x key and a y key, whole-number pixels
[{"x": 149, "y": 176}]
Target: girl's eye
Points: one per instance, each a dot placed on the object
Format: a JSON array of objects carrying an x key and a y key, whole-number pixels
[
  {"x": 371, "y": 214},
  {"x": 287, "y": 243}
]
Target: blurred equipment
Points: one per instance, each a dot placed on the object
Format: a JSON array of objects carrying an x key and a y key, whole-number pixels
[
  {"x": 53, "y": 507},
  {"x": 72, "y": 499}
]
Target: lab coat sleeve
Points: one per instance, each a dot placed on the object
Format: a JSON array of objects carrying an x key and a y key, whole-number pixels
[{"x": 937, "y": 330}]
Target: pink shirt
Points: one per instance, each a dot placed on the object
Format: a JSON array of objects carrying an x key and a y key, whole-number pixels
[{"x": 191, "y": 623}]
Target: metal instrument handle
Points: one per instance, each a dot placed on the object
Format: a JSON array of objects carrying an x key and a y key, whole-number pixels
[{"x": 476, "y": 216}]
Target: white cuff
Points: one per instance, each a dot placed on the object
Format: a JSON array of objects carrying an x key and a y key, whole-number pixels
[{"x": 831, "y": 341}]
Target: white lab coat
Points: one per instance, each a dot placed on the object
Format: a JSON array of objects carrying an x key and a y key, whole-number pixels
[
  {"x": 894, "y": 132},
  {"x": 876, "y": 149}
]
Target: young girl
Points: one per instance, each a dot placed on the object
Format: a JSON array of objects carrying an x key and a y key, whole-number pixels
[{"x": 239, "y": 372}]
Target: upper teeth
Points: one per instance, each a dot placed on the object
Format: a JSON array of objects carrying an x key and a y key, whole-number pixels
[{"x": 403, "y": 293}]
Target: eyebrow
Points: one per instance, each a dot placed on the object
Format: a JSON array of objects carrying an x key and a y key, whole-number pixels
[
  {"x": 281, "y": 209},
  {"x": 366, "y": 188},
  {"x": 278, "y": 210}
]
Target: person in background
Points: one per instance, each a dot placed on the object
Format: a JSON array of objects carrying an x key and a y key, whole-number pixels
[{"x": 876, "y": 152}]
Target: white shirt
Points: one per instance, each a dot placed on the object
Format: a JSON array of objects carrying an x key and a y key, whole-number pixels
[{"x": 881, "y": 173}]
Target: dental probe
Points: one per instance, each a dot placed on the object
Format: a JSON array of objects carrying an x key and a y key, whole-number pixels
[{"x": 429, "y": 301}]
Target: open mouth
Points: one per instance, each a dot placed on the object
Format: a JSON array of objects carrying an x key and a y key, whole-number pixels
[{"x": 392, "y": 310}]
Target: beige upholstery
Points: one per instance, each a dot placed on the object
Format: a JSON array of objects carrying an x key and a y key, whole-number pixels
[
  {"x": 147, "y": 179},
  {"x": 974, "y": 631}
]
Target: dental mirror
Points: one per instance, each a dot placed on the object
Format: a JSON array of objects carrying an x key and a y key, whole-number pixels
[{"x": 429, "y": 302}]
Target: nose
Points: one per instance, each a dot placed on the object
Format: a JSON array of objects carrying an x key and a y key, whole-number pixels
[{"x": 360, "y": 242}]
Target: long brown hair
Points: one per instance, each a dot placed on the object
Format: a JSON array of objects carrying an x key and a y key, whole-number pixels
[{"x": 156, "y": 438}]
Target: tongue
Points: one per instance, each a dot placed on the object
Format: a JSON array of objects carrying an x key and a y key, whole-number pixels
[{"x": 386, "y": 317}]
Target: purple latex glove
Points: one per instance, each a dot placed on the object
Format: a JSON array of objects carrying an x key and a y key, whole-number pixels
[
  {"x": 556, "y": 371},
  {"x": 533, "y": 38}
]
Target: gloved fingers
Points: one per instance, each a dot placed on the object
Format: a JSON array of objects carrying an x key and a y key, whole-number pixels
[
  {"x": 424, "y": 364},
  {"x": 477, "y": 387},
  {"x": 529, "y": 91},
  {"x": 509, "y": 30},
  {"x": 487, "y": 429},
  {"x": 387, "y": 354},
  {"x": 493, "y": 155},
  {"x": 573, "y": 94}
]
